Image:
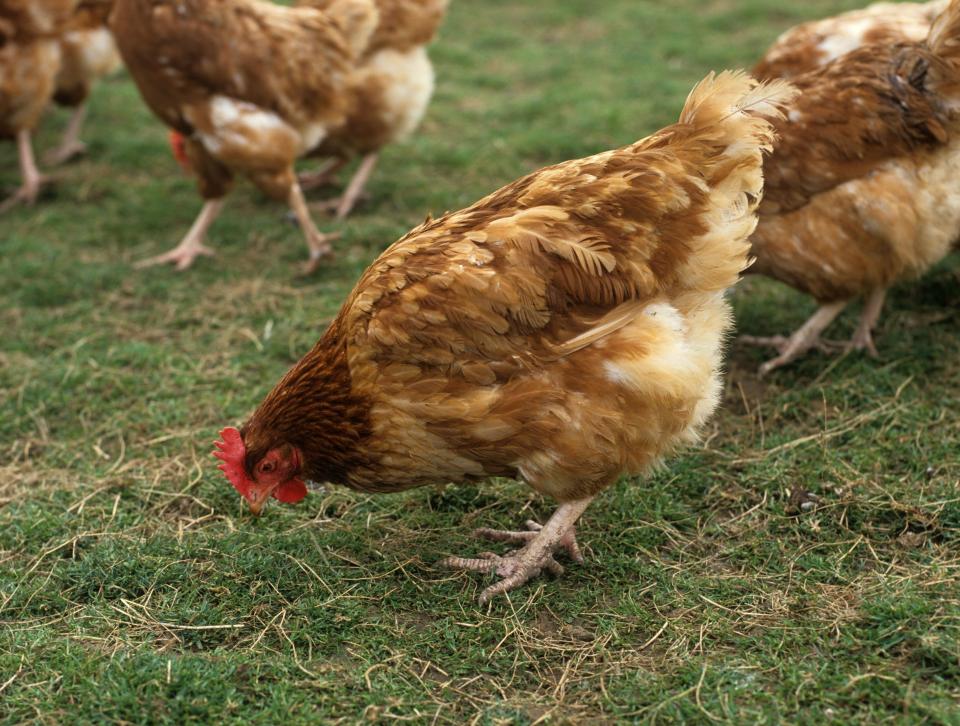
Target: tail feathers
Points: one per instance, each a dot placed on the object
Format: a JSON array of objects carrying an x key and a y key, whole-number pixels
[
  {"x": 730, "y": 115},
  {"x": 739, "y": 109},
  {"x": 944, "y": 36},
  {"x": 357, "y": 20}
]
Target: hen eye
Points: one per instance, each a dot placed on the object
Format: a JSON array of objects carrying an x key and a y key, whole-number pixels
[{"x": 266, "y": 467}]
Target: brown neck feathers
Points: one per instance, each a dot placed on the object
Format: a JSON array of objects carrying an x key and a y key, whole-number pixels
[{"x": 314, "y": 408}]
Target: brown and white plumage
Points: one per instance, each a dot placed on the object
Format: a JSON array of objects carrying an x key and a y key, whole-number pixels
[
  {"x": 565, "y": 330},
  {"x": 30, "y": 59},
  {"x": 88, "y": 54},
  {"x": 250, "y": 85},
  {"x": 861, "y": 188},
  {"x": 388, "y": 89},
  {"x": 812, "y": 45}
]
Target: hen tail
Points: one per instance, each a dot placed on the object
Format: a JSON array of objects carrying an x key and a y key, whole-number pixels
[
  {"x": 944, "y": 36},
  {"x": 357, "y": 20},
  {"x": 730, "y": 120},
  {"x": 944, "y": 42},
  {"x": 735, "y": 112}
]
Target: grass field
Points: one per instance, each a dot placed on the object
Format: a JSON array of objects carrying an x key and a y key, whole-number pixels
[{"x": 134, "y": 587}]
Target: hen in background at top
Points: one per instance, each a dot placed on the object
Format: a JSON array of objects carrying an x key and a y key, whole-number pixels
[
  {"x": 251, "y": 86},
  {"x": 388, "y": 91},
  {"x": 88, "y": 54}
]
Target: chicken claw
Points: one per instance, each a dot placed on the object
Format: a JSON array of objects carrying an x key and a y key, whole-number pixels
[
  {"x": 181, "y": 257},
  {"x": 33, "y": 180},
  {"x": 540, "y": 544},
  {"x": 25, "y": 195}
]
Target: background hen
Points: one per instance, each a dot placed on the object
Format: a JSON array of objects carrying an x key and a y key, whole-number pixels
[
  {"x": 29, "y": 62},
  {"x": 88, "y": 54},
  {"x": 250, "y": 85},
  {"x": 565, "y": 330},
  {"x": 861, "y": 188},
  {"x": 388, "y": 90},
  {"x": 813, "y": 44}
]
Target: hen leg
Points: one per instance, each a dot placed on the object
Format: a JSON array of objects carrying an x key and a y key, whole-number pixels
[
  {"x": 317, "y": 241},
  {"x": 320, "y": 177},
  {"x": 344, "y": 205},
  {"x": 71, "y": 145},
  {"x": 804, "y": 339},
  {"x": 32, "y": 179},
  {"x": 191, "y": 246},
  {"x": 863, "y": 337},
  {"x": 540, "y": 544}
]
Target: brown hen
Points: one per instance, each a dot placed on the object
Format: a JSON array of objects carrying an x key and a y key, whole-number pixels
[
  {"x": 861, "y": 189},
  {"x": 251, "y": 86},
  {"x": 565, "y": 330},
  {"x": 88, "y": 54},
  {"x": 811, "y": 45},
  {"x": 388, "y": 91},
  {"x": 30, "y": 59}
]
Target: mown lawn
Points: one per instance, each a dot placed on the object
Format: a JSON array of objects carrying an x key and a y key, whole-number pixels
[{"x": 134, "y": 587}]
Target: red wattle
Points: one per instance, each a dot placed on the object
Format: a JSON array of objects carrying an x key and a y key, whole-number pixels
[{"x": 290, "y": 491}]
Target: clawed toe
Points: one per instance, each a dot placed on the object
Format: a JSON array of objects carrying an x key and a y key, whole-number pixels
[
  {"x": 181, "y": 258},
  {"x": 65, "y": 153},
  {"x": 26, "y": 195},
  {"x": 778, "y": 342},
  {"x": 519, "y": 566}
]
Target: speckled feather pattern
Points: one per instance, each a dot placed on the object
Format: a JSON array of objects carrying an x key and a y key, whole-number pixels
[
  {"x": 29, "y": 59},
  {"x": 252, "y": 85},
  {"x": 88, "y": 53},
  {"x": 389, "y": 89},
  {"x": 567, "y": 329},
  {"x": 812, "y": 45},
  {"x": 860, "y": 189}
]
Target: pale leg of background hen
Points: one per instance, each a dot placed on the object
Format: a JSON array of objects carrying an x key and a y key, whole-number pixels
[
  {"x": 70, "y": 145},
  {"x": 32, "y": 179},
  {"x": 806, "y": 337},
  {"x": 191, "y": 246},
  {"x": 322, "y": 176},
  {"x": 317, "y": 241},
  {"x": 863, "y": 337},
  {"x": 356, "y": 185},
  {"x": 537, "y": 554}
]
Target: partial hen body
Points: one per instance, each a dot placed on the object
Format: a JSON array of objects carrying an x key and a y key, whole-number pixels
[
  {"x": 565, "y": 330},
  {"x": 251, "y": 85},
  {"x": 30, "y": 59},
  {"x": 861, "y": 189},
  {"x": 89, "y": 54},
  {"x": 812, "y": 45},
  {"x": 388, "y": 90}
]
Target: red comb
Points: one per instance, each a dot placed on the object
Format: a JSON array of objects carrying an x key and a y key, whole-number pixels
[
  {"x": 231, "y": 451},
  {"x": 178, "y": 144}
]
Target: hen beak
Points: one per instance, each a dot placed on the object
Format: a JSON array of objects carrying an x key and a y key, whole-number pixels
[{"x": 257, "y": 501}]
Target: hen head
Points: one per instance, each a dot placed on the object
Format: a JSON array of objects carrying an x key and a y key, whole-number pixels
[{"x": 276, "y": 474}]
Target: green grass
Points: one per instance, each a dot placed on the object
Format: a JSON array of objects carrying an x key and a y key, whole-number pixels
[{"x": 135, "y": 588}]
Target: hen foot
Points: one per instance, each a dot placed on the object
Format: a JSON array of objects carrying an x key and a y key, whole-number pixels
[
  {"x": 64, "y": 153},
  {"x": 540, "y": 545},
  {"x": 324, "y": 176},
  {"x": 25, "y": 195},
  {"x": 191, "y": 246},
  {"x": 182, "y": 256},
  {"x": 806, "y": 338}
]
